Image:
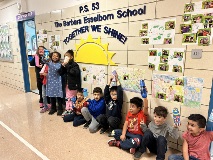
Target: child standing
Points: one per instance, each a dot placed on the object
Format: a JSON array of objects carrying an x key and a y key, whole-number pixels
[
  {"x": 37, "y": 62},
  {"x": 46, "y": 99},
  {"x": 76, "y": 115},
  {"x": 72, "y": 74},
  {"x": 114, "y": 100},
  {"x": 155, "y": 136},
  {"x": 196, "y": 140},
  {"x": 96, "y": 107},
  {"x": 54, "y": 83},
  {"x": 130, "y": 137}
]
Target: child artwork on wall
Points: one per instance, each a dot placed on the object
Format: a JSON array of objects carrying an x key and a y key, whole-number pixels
[
  {"x": 130, "y": 78},
  {"x": 41, "y": 36},
  {"x": 93, "y": 74},
  {"x": 5, "y": 44},
  {"x": 179, "y": 89},
  {"x": 166, "y": 59},
  {"x": 158, "y": 32},
  {"x": 197, "y": 23},
  {"x": 54, "y": 42}
]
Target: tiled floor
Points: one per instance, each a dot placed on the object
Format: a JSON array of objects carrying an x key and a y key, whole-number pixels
[{"x": 47, "y": 135}]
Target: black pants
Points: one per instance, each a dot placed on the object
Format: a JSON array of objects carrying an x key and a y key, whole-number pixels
[
  {"x": 105, "y": 122},
  {"x": 155, "y": 145},
  {"x": 39, "y": 86},
  {"x": 53, "y": 103}
]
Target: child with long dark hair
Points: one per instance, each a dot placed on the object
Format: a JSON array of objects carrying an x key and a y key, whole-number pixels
[{"x": 72, "y": 74}]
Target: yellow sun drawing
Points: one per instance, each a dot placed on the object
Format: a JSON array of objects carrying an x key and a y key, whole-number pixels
[{"x": 93, "y": 52}]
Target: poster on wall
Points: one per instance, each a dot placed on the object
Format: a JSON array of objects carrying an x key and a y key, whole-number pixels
[
  {"x": 5, "y": 44},
  {"x": 193, "y": 91},
  {"x": 93, "y": 74},
  {"x": 54, "y": 42},
  {"x": 180, "y": 89},
  {"x": 158, "y": 31},
  {"x": 197, "y": 23},
  {"x": 41, "y": 36},
  {"x": 166, "y": 59},
  {"x": 130, "y": 78}
]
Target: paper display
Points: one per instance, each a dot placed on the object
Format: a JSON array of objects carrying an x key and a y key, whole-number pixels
[
  {"x": 158, "y": 32},
  {"x": 166, "y": 59},
  {"x": 5, "y": 44},
  {"x": 54, "y": 42},
  {"x": 42, "y": 36},
  {"x": 93, "y": 74},
  {"x": 130, "y": 78},
  {"x": 197, "y": 23},
  {"x": 181, "y": 89}
]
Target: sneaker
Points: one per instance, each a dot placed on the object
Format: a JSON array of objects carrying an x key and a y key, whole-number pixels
[
  {"x": 86, "y": 125},
  {"x": 41, "y": 105},
  {"x": 113, "y": 142},
  {"x": 103, "y": 130},
  {"x": 137, "y": 140},
  {"x": 137, "y": 155},
  {"x": 110, "y": 134},
  {"x": 44, "y": 109},
  {"x": 59, "y": 113},
  {"x": 52, "y": 111},
  {"x": 132, "y": 150}
]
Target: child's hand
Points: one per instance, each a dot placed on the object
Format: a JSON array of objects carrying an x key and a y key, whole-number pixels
[
  {"x": 111, "y": 78},
  {"x": 40, "y": 66},
  {"x": 176, "y": 125},
  {"x": 142, "y": 122},
  {"x": 44, "y": 74},
  {"x": 122, "y": 137},
  {"x": 86, "y": 98}
]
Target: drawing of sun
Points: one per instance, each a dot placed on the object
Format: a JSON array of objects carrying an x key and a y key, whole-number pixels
[{"x": 93, "y": 52}]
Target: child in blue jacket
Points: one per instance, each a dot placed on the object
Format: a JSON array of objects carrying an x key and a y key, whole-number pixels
[{"x": 96, "y": 107}]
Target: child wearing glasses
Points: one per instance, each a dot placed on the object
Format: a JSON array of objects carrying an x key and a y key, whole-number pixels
[{"x": 114, "y": 100}]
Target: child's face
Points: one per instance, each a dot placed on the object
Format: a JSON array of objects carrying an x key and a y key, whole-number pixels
[
  {"x": 68, "y": 55},
  {"x": 97, "y": 96},
  {"x": 113, "y": 95},
  {"x": 55, "y": 57},
  {"x": 159, "y": 120},
  {"x": 193, "y": 128},
  {"x": 41, "y": 51},
  {"x": 134, "y": 109},
  {"x": 80, "y": 96}
]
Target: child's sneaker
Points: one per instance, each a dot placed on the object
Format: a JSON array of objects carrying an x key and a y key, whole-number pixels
[
  {"x": 59, "y": 113},
  {"x": 137, "y": 155},
  {"x": 113, "y": 142},
  {"x": 86, "y": 125},
  {"x": 132, "y": 150},
  {"x": 137, "y": 140},
  {"x": 44, "y": 109},
  {"x": 52, "y": 111},
  {"x": 41, "y": 105},
  {"x": 103, "y": 130},
  {"x": 49, "y": 106}
]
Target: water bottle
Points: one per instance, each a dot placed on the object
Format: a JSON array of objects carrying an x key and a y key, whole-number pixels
[
  {"x": 113, "y": 83},
  {"x": 85, "y": 93},
  {"x": 73, "y": 99},
  {"x": 143, "y": 89}
]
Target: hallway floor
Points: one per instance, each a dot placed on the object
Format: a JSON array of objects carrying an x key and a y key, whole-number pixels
[{"x": 27, "y": 134}]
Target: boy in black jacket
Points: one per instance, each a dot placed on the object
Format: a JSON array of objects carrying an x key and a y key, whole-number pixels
[{"x": 114, "y": 100}]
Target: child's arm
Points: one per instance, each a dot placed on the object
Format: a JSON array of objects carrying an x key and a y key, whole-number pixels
[
  {"x": 145, "y": 106},
  {"x": 123, "y": 136},
  {"x": 107, "y": 94},
  {"x": 94, "y": 108},
  {"x": 73, "y": 69},
  {"x": 119, "y": 92},
  {"x": 143, "y": 126},
  {"x": 185, "y": 150},
  {"x": 62, "y": 70}
]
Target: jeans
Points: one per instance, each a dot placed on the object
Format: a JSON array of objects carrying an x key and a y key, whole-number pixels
[
  {"x": 77, "y": 119},
  {"x": 129, "y": 142},
  {"x": 155, "y": 145},
  {"x": 180, "y": 157},
  {"x": 46, "y": 99}
]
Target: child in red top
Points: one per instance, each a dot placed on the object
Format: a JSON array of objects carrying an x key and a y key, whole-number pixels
[
  {"x": 196, "y": 140},
  {"x": 130, "y": 137},
  {"x": 76, "y": 116}
]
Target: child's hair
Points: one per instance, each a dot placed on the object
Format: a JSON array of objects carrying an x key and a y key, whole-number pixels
[
  {"x": 161, "y": 111},
  {"x": 80, "y": 90},
  {"x": 137, "y": 101},
  {"x": 97, "y": 90},
  {"x": 71, "y": 53},
  {"x": 37, "y": 51},
  {"x": 51, "y": 55},
  {"x": 201, "y": 120},
  {"x": 113, "y": 88}
]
